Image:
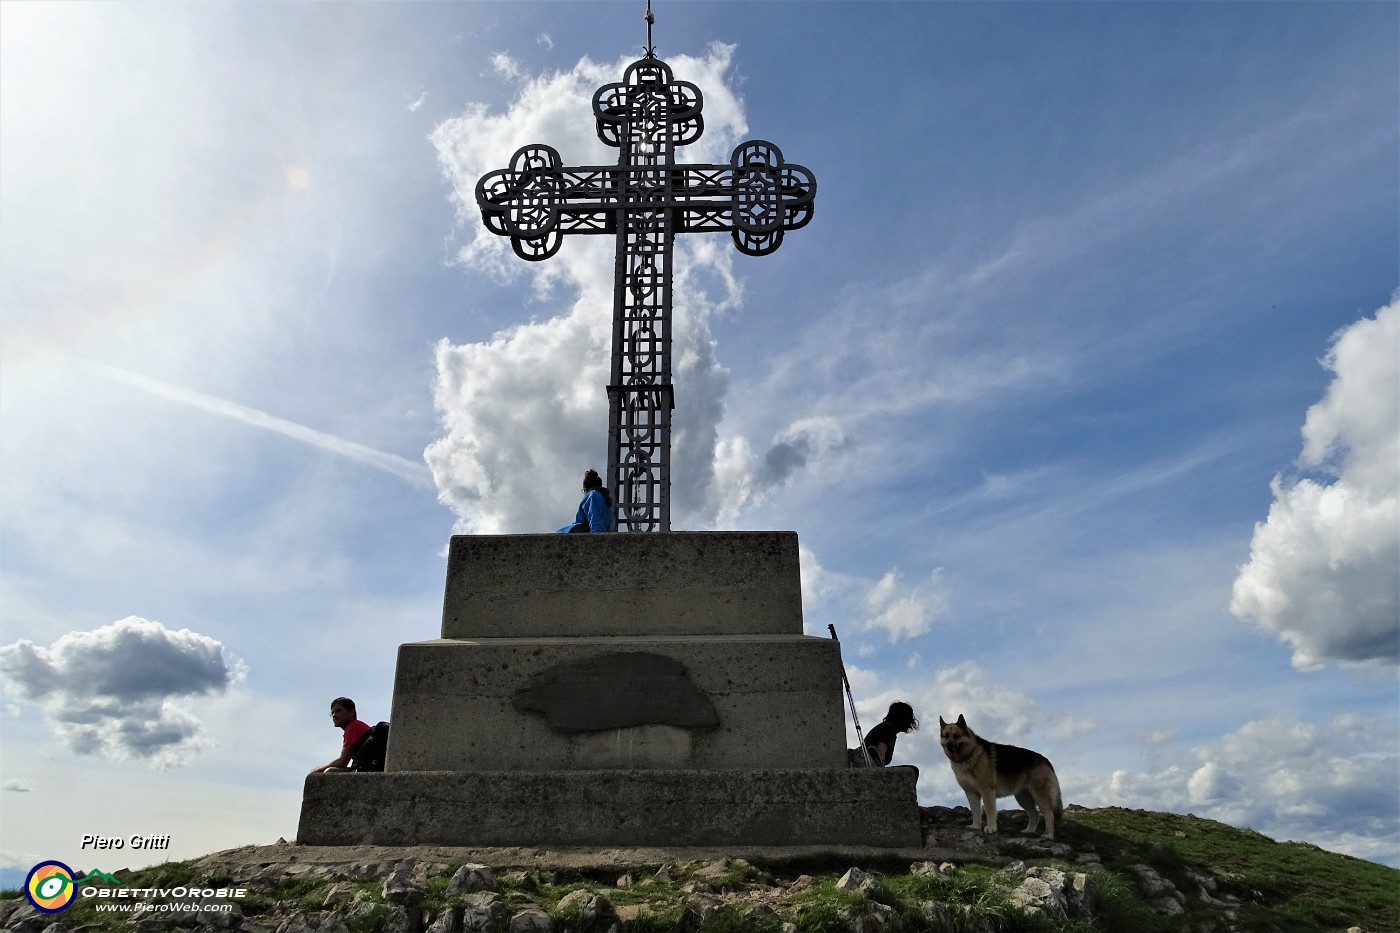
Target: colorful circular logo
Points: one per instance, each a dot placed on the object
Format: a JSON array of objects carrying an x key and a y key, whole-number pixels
[{"x": 50, "y": 887}]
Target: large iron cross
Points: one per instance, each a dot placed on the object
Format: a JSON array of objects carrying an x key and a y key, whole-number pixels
[{"x": 645, "y": 200}]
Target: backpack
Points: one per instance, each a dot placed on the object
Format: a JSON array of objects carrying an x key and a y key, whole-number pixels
[{"x": 369, "y": 753}]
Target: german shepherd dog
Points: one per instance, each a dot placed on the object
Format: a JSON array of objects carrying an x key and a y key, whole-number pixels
[{"x": 986, "y": 771}]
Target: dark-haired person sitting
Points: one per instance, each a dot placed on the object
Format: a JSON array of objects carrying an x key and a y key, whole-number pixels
[
  {"x": 595, "y": 512},
  {"x": 343, "y": 717},
  {"x": 880, "y": 740}
]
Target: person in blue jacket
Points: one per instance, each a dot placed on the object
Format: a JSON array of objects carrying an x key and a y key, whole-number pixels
[{"x": 595, "y": 512}]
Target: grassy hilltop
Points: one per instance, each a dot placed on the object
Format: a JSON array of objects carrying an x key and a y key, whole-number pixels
[{"x": 1149, "y": 873}]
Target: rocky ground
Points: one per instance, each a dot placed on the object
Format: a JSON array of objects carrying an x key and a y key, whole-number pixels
[{"x": 1037, "y": 884}]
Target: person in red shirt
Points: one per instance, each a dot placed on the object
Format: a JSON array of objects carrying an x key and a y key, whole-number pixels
[{"x": 343, "y": 717}]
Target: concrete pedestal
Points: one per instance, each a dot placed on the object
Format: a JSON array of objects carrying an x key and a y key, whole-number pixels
[{"x": 620, "y": 689}]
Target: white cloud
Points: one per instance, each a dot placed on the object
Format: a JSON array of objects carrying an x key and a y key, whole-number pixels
[
  {"x": 901, "y": 612},
  {"x": 506, "y": 67},
  {"x": 1324, "y": 567},
  {"x": 806, "y": 444},
  {"x": 18, "y": 787},
  {"x": 525, "y": 412},
  {"x": 111, "y": 692},
  {"x": 993, "y": 711},
  {"x": 1331, "y": 784},
  {"x": 1068, "y": 730}
]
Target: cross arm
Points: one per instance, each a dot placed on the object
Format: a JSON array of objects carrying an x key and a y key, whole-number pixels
[{"x": 756, "y": 196}]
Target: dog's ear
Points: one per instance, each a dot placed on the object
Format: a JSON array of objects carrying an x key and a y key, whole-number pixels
[
  {"x": 962, "y": 721},
  {"x": 941, "y": 723}
]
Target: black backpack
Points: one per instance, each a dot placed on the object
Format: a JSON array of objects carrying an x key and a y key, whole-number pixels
[{"x": 369, "y": 753}]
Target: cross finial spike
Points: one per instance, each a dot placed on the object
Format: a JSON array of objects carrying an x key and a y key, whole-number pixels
[{"x": 651, "y": 49}]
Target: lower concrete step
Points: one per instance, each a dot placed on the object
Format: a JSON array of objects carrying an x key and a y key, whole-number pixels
[{"x": 871, "y": 807}]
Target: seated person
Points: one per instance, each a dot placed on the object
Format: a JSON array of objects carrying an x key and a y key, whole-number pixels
[
  {"x": 880, "y": 740},
  {"x": 343, "y": 717},
  {"x": 595, "y": 512}
]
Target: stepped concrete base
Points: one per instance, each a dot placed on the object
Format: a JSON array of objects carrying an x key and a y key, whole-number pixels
[{"x": 870, "y": 807}]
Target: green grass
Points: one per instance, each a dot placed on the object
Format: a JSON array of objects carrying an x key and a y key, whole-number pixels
[
  {"x": 1294, "y": 887},
  {"x": 1281, "y": 887}
]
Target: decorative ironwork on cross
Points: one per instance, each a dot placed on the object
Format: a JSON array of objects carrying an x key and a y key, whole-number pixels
[{"x": 644, "y": 201}]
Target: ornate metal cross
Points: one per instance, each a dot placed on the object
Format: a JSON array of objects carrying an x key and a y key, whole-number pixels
[{"x": 644, "y": 201}]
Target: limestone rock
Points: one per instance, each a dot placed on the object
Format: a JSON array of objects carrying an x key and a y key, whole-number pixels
[
  {"x": 1055, "y": 893},
  {"x": 218, "y": 915},
  {"x": 449, "y": 921},
  {"x": 401, "y": 887},
  {"x": 483, "y": 912},
  {"x": 1159, "y": 892},
  {"x": 628, "y": 913},
  {"x": 593, "y": 912},
  {"x": 402, "y": 920},
  {"x": 702, "y": 907},
  {"x": 531, "y": 920},
  {"x": 855, "y": 880},
  {"x": 362, "y": 914},
  {"x": 308, "y": 922},
  {"x": 933, "y": 870},
  {"x": 873, "y": 917},
  {"x": 1036, "y": 895},
  {"x": 472, "y": 878}
]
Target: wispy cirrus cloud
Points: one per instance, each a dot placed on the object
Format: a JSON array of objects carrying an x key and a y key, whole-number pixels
[{"x": 405, "y": 469}]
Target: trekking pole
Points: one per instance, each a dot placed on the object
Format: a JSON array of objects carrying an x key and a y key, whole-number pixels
[{"x": 860, "y": 736}]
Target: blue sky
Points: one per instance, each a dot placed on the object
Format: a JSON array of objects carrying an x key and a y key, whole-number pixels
[{"x": 1081, "y": 389}]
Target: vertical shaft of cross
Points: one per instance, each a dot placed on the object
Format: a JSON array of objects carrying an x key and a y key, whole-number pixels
[
  {"x": 640, "y": 394},
  {"x": 643, "y": 202}
]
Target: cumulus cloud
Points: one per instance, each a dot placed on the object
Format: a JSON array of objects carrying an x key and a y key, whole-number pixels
[
  {"x": 18, "y": 787},
  {"x": 112, "y": 692},
  {"x": 525, "y": 412},
  {"x": 1331, "y": 784},
  {"x": 993, "y": 711},
  {"x": 1324, "y": 567},
  {"x": 905, "y": 612}
]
